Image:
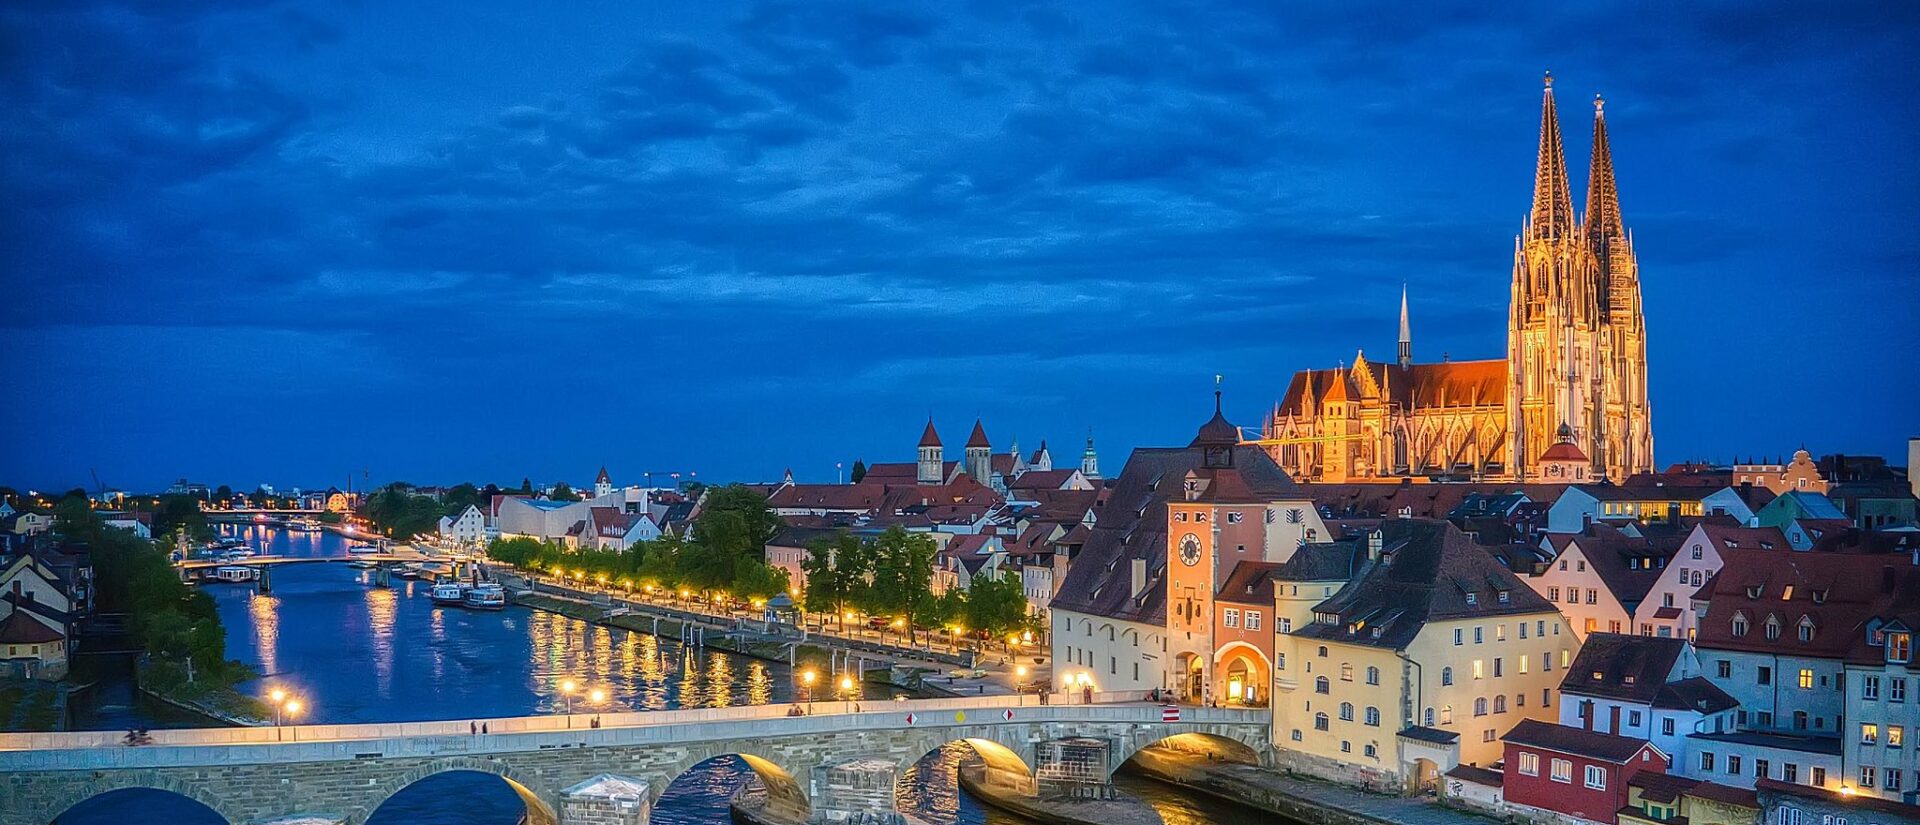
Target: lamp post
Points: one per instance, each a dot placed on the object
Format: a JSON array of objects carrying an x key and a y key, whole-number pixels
[
  {"x": 846, "y": 691},
  {"x": 284, "y": 706},
  {"x": 567, "y": 687},
  {"x": 806, "y": 682}
]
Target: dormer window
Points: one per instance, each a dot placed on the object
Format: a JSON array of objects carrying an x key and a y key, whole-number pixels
[
  {"x": 1820, "y": 596},
  {"x": 1739, "y": 625},
  {"x": 1753, "y": 591},
  {"x": 1505, "y": 597},
  {"x": 1773, "y": 628},
  {"x": 1628, "y": 679},
  {"x": 1473, "y": 598},
  {"x": 1806, "y": 628},
  {"x": 1899, "y": 647}
]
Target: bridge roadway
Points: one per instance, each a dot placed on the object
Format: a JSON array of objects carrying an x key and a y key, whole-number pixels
[
  {"x": 276, "y": 561},
  {"x": 833, "y": 763}
]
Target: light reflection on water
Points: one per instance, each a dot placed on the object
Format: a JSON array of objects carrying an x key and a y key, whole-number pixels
[{"x": 358, "y": 652}]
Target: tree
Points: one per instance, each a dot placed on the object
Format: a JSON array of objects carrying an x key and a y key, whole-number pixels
[
  {"x": 859, "y": 471},
  {"x": 459, "y": 496},
  {"x": 903, "y": 575},
  {"x": 837, "y": 571},
  {"x": 563, "y": 492},
  {"x": 526, "y": 486},
  {"x": 996, "y": 604}
]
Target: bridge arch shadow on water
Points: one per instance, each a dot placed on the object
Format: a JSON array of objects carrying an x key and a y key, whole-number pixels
[
  {"x": 138, "y": 800},
  {"x": 703, "y": 788},
  {"x": 476, "y": 787}
]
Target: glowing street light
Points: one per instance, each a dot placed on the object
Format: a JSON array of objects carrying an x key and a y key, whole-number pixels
[{"x": 285, "y": 706}]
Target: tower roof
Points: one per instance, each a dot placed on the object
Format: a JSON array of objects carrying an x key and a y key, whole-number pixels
[
  {"x": 979, "y": 436},
  {"x": 929, "y": 438},
  {"x": 602, "y": 478},
  {"x": 1603, "y": 197},
  {"x": 1218, "y": 431},
  {"x": 1552, "y": 215},
  {"x": 1406, "y": 329}
]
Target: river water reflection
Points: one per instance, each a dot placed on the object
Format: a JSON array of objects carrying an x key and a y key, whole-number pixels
[{"x": 356, "y": 652}]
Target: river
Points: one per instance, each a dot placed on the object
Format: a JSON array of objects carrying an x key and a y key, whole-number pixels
[{"x": 354, "y": 652}]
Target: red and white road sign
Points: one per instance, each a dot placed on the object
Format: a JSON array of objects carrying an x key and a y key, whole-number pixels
[
  {"x": 909, "y": 718},
  {"x": 1008, "y": 713},
  {"x": 1169, "y": 713}
]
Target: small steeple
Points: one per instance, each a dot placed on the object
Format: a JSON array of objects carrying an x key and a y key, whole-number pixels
[
  {"x": 929, "y": 438},
  {"x": 1552, "y": 215},
  {"x": 1090, "y": 460},
  {"x": 1406, "y": 331},
  {"x": 1603, "y": 223}
]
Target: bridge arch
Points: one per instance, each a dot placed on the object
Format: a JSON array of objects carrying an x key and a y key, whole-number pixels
[
  {"x": 540, "y": 810},
  {"x": 1217, "y": 747},
  {"x": 786, "y": 795},
  {"x": 109, "y": 783},
  {"x": 935, "y": 770}
]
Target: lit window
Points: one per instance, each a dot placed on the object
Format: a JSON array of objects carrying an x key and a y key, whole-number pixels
[
  {"x": 1529, "y": 764},
  {"x": 1562, "y": 770},
  {"x": 1806, "y": 679},
  {"x": 1596, "y": 777}
]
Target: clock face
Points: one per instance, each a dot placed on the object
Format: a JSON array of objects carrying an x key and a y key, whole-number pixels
[{"x": 1190, "y": 549}]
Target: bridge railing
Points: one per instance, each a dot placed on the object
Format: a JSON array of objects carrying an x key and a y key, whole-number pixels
[{"x": 203, "y": 746}]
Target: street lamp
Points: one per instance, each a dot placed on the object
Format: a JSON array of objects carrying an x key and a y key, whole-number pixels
[
  {"x": 846, "y": 689},
  {"x": 806, "y": 680},
  {"x": 284, "y": 706},
  {"x": 567, "y": 687}
]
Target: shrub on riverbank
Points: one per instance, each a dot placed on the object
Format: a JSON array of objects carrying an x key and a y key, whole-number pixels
[{"x": 175, "y": 622}]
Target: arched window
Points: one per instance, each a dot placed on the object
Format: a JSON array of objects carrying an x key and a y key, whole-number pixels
[
  {"x": 1500, "y": 704},
  {"x": 1446, "y": 676},
  {"x": 1446, "y": 714},
  {"x": 1739, "y": 624},
  {"x": 1323, "y": 651},
  {"x": 1319, "y": 721},
  {"x": 1480, "y": 706},
  {"x": 1373, "y": 676},
  {"x": 1346, "y": 711},
  {"x": 1321, "y": 685},
  {"x": 1373, "y": 717},
  {"x": 1110, "y": 634},
  {"x": 1428, "y": 719},
  {"x": 1773, "y": 628},
  {"x": 1279, "y": 661}
]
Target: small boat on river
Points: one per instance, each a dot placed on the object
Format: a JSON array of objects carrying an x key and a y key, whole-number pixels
[
  {"x": 362, "y": 550},
  {"x": 233, "y": 575},
  {"x": 363, "y": 564},
  {"x": 450, "y": 594},
  {"x": 485, "y": 597}
]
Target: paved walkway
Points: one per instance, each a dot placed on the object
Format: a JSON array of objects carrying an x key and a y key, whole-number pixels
[{"x": 1246, "y": 783}]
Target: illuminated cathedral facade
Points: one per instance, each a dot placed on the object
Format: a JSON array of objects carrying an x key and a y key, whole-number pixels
[{"x": 1575, "y": 371}]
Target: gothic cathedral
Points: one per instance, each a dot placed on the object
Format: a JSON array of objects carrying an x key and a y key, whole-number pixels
[{"x": 1575, "y": 371}]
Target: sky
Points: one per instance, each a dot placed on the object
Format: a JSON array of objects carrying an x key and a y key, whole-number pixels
[{"x": 298, "y": 243}]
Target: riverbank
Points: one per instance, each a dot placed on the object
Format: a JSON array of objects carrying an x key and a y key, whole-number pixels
[
  {"x": 1056, "y": 810},
  {"x": 690, "y": 627},
  {"x": 1299, "y": 799}
]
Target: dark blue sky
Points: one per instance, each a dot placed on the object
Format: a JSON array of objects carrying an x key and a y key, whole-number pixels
[{"x": 280, "y": 242}]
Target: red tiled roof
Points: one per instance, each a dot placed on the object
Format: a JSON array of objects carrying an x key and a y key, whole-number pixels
[
  {"x": 21, "y": 629},
  {"x": 1563, "y": 451},
  {"x": 979, "y": 436},
  {"x": 929, "y": 438}
]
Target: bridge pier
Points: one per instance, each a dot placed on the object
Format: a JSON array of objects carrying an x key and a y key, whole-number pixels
[
  {"x": 855, "y": 791},
  {"x": 1076, "y": 766},
  {"x": 265, "y": 581},
  {"x": 607, "y": 799}
]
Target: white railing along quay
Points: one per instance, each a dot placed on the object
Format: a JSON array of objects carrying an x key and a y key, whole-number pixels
[{"x": 94, "y": 750}]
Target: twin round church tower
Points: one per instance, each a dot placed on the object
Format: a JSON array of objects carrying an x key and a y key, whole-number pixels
[{"x": 1575, "y": 371}]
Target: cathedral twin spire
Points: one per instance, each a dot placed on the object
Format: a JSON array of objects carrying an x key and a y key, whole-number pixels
[{"x": 1552, "y": 217}]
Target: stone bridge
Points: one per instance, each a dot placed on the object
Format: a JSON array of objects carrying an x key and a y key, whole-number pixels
[{"x": 829, "y": 765}]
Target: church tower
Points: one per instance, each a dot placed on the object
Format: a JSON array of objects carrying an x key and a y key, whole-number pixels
[
  {"x": 1624, "y": 444},
  {"x": 932, "y": 469},
  {"x": 602, "y": 483},
  {"x": 1556, "y": 319},
  {"x": 1090, "y": 460},
  {"x": 979, "y": 454}
]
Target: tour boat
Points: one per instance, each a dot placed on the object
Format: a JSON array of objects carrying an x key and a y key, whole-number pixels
[
  {"x": 448, "y": 593},
  {"x": 363, "y": 564},
  {"x": 237, "y": 554},
  {"x": 362, "y": 550},
  {"x": 234, "y": 575},
  {"x": 407, "y": 571},
  {"x": 486, "y": 597}
]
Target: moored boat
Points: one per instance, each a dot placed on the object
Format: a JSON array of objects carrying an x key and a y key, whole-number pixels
[
  {"x": 485, "y": 597},
  {"x": 362, "y": 550},
  {"x": 233, "y": 575},
  {"x": 448, "y": 593}
]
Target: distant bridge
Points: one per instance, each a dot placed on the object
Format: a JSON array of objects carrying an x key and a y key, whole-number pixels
[{"x": 828, "y": 765}]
